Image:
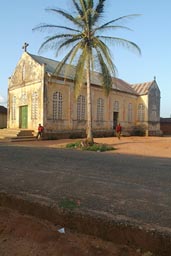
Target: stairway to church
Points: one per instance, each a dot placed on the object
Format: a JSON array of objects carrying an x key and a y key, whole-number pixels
[{"x": 17, "y": 134}]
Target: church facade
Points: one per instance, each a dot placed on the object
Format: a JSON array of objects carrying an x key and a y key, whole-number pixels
[{"x": 36, "y": 95}]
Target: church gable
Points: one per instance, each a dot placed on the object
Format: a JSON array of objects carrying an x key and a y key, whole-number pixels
[{"x": 26, "y": 71}]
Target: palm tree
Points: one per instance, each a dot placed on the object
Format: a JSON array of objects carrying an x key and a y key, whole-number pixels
[{"x": 87, "y": 46}]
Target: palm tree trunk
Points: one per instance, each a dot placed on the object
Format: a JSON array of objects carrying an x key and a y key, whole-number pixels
[{"x": 89, "y": 107}]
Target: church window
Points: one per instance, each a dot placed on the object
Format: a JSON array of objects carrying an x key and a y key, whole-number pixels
[
  {"x": 23, "y": 98},
  {"x": 57, "y": 106},
  {"x": 34, "y": 106},
  {"x": 141, "y": 112},
  {"x": 116, "y": 106},
  {"x": 100, "y": 109},
  {"x": 81, "y": 105},
  {"x": 13, "y": 114},
  {"x": 130, "y": 112}
]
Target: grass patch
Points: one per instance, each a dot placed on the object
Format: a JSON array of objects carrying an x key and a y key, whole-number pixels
[
  {"x": 69, "y": 204},
  {"x": 95, "y": 147},
  {"x": 76, "y": 144}
]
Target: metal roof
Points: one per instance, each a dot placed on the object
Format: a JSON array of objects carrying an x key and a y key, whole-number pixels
[
  {"x": 118, "y": 84},
  {"x": 142, "y": 88}
]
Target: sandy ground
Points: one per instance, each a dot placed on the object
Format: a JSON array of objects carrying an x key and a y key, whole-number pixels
[
  {"x": 22, "y": 235},
  {"x": 145, "y": 146}
]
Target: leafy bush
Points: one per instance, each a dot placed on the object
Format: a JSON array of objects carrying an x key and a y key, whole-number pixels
[
  {"x": 94, "y": 147},
  {"x": 76, "y": 144}
]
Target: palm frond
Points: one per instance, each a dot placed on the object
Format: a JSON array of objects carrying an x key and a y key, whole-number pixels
[
  {"x": 122, "y": 42},
  {"x": 90, "y": 4},
  {"x": 78, "y": 8},
  {"x": 122, "y": 18},
  {"x": 98, "y": 11},
  {"x": 67, "y": 43},
  {"x": 66, "y": 15},
  {"x": 43, "y": 27},
  {"x": 102, "y": 28},
  {"x": 52, "y": 40},
  {"x": 80, "y": 73},
  {"x": 106, "y": 76},
  {"x": 103, "y": 48}
]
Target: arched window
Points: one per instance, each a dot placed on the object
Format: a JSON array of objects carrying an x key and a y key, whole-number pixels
[
  {"x": 81, "y": 105},
  {"x": 130, "y": 112},
  {"x": 116, "y": 106},
  {"x": 100, "y": 109},
  {"x": 34, "y": 106},
  {"x": 13, "y": 113},
  {"x": 141, "y": 112},
  {"x": 57, "y": 106}
]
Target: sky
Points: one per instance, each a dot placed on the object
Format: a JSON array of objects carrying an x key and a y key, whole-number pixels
[{"x": 150, "y": 31}]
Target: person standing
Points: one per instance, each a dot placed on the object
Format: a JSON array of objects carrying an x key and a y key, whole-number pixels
[
  {"x": 40, "y": 131},
  {"x": 118, "y": 130}
]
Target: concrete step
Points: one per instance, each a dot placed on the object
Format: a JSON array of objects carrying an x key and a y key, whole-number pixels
[
  {"x": 17, "y": 134},
  {"x": 22, "y": 138}
]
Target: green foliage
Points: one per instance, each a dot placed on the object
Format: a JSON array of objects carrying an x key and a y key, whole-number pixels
[
  {"x": 85, "y": 146},
  {"x": 98, "y": 148},
  {"x": 69, "y": 204},
  {"x": 74, "y": 145}
]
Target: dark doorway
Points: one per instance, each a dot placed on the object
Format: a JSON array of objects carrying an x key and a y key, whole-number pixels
[{"x": 115, "y": 119}]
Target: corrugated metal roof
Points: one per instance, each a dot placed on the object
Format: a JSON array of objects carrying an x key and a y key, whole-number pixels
[
  {"x": 142, "y": 88},
  {"x": 50, "y": 64},
  {"x": 118, "y": 84},
  {"x": 123, "y": 86}
]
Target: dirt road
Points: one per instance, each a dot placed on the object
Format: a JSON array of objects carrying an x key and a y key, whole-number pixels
[{"x": 22, "y": 235}]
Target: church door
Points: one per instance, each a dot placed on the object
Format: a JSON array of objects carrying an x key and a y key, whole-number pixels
[{"x": 23, "y": 117}]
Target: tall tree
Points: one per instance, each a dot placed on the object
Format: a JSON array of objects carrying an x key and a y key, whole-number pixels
[{"x": 88, "y": 46}]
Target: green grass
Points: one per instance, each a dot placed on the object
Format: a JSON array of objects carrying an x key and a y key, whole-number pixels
[{"x": 69, "y": 204}]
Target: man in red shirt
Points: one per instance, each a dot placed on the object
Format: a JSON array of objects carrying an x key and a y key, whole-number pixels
[
  {"x": 118, "y": 131},
  {"x": 40, "y": 131}
]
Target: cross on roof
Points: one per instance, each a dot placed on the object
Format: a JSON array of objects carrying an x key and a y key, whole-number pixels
[{"x": 25, "y": 46}]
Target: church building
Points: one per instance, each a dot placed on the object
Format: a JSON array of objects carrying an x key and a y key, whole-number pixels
[{"x": 36, "y": 95}]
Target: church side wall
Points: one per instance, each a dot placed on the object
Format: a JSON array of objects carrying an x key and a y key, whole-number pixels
[{"x": 69, "y": 121}]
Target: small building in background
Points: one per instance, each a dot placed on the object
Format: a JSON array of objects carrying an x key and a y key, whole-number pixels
[
  {"x": 165, "y": 125},
  {"x": 3, "y": 117}
]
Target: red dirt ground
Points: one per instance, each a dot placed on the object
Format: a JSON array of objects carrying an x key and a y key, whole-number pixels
[{"x": 23, "y": 235}]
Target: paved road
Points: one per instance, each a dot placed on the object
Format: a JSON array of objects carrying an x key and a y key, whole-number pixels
[{"x": 114, "y": 185}]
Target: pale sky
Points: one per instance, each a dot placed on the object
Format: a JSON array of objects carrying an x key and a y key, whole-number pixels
[{"x": 151, "y": 31}]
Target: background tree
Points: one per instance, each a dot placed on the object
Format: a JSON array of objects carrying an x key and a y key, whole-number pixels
[{"x": 87, "y": 46}]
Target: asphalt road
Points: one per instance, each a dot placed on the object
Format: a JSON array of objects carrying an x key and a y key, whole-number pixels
[{"x": 115, "y": 185}]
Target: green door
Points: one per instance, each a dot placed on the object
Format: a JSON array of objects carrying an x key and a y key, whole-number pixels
[{"x": 23, "y": 117}]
